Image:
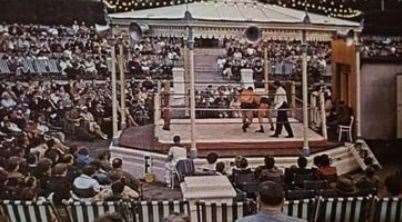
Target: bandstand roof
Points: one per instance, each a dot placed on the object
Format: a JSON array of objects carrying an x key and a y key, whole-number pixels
[{"x": 233, "y": 11}]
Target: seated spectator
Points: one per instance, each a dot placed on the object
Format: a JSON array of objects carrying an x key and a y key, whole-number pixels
[
  {"x": 107, "y": 190},
  {"x": 4, "y": 192},
  {"x": 345, "y": 187},
  {"x": 269, "y": 171},
  {"x": 301, "y": 173},
  {"x": 211, "y": 159},
  {"x": 393, "y": 185},
  {"x": 220, "y": 168},
  {"x": 30, "y": 190},
  {"x": 85, "y": 186},
  {"x": 131, "y": 181},
  {"x": 242, "y": 174},
  {"x": 326, "y": 171},
  {"x": 101, "y": 175},
  {"x": 271, "y": 198},
  {"x": 12, "y": 166},
  {"x": 83, "y": 158},
  {"x": 117, "y": 190},
  {"x": 369, "y": 183},
  {"x": 89, "y": 120},
  {"x": 58, "y": 185},
  {"x": 104, "y": 159}
]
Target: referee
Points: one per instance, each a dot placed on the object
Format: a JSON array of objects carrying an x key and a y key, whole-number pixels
[{"x": 281, "y": 104}]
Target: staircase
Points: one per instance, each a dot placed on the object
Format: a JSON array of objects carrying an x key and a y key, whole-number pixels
[{"x": 206, "y": 71}]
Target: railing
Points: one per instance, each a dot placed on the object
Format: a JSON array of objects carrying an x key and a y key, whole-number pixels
[
  {"x": 351, "y": 209},
  {"x": 207, "y": 108}
]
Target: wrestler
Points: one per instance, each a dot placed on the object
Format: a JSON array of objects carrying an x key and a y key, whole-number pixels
[
  {"x": 247, "y": 100},
  {"x": 263, "y": 111}
]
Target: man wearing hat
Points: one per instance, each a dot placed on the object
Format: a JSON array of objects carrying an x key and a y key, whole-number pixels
[{"x": 271, "y": 197}]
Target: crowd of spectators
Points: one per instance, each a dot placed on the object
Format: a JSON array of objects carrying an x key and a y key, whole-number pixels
[
  {"x": 155, "y": 57},
  {"x": 80, "y": 51},
  {"x": 38, "y": 167},
  {"x": 224, "y": 97},
  {"x": 283, "y": 56},
  {"x": 301, "y": 181},
  {"x": 81, "y": 109},
  {"x": 373, "y": 47}
]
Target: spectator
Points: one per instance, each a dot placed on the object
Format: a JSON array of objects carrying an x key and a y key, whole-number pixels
[
  {"x": 393, "y": 185},
  {"x": 220, "y": 168},
  {"x": 83, "y": 158},
  {"x": 211, "y": 159},
  {"x": 345, "y": 187},
  {"x": 271, "y": 172},
  {"x": 85, "y": 186},
  {"x": 107, "y": 191},
  {"x": 301, "y": 173},
  {"x": 369, "y": 183},
  {"x": 271, "y": 198},
  {"x": 326, "y": 171},
  {"x": 269, "y": 163},
  {"x": 117, "y": 165},
  {"x": 58, "y": 185}
]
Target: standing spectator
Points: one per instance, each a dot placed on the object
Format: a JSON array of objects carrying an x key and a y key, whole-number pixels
[{"x": 176, "y": 153}]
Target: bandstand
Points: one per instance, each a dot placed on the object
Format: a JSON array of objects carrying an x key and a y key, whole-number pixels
[{"x": 144, "y": 149}]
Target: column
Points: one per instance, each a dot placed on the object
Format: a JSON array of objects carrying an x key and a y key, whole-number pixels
[
  {"x": 122, "y": 89},
  {"x": 306, "y": 149},
  {"x": 358, "y": 86},
  {"x": 190, "y": 42},
  {"x": 114, "y": 94}
]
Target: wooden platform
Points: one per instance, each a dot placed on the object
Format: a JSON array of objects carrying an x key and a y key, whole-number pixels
[{"x": 223, "y": 136}]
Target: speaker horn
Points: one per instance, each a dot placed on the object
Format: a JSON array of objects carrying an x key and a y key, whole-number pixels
[
  {"x": 137, "y": 31},
  {"x": 253, "y": 34}
]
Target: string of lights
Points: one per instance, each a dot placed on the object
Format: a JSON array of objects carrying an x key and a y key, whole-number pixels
[{"x": 333, "y": 8}]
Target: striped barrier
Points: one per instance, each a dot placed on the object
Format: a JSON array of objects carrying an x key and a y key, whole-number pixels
[
  {"x": 89, "y": 211},
  {"x": 155, "y": 211},
  {"x": 223, "y": 212},
  {"x": 387, "y": 209},
  {"x": 304, "y": 208},
  {"x": 351, "y": 209},
  {"x": 27, "y": 211},
  {"x": 152, "y": 211}
]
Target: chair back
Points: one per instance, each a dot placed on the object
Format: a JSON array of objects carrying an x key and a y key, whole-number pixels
[
  {"x": 315, "y": 184},
  {"x": 299, "y": 194},
  {"x": 185, "y": 168},
  {"x": 242, "y": 177},
  {"x": 352, "y": 119}
]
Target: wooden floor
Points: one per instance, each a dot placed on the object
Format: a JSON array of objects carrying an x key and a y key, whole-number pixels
[{"x": 227, "y": 139}]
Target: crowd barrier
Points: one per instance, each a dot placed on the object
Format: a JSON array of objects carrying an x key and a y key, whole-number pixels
[
  {"x": 388, "y": 210},
  {"x": 351, "y": 209}
]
